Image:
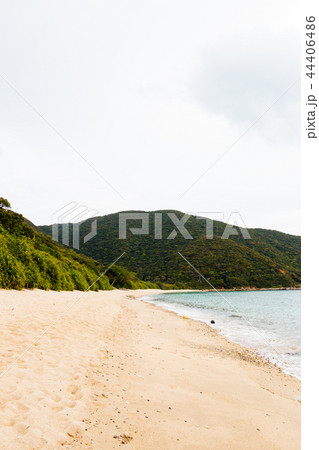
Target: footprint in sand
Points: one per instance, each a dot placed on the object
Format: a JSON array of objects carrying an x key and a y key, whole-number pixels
[
  {"x": 57, "y": 408},
  {"x": 70, "y": 404},
  {"x": 8, "y": 422},
  {"x": 55, "y": 397},
  {"x": 75, "y": 391},
  {"x": 21, "y": 407},
  {"x": 22, "y": 428}
]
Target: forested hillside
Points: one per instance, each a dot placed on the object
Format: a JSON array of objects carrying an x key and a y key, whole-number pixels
[
  {"x": 269, "y": 259},
  {"x": 29, "y": 259}
]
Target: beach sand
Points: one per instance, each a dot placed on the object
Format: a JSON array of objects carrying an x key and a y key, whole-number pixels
[{"x": 118, "y": 372}]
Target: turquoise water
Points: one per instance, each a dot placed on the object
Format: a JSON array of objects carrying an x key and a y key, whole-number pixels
[{"x": 265, "y": 321}]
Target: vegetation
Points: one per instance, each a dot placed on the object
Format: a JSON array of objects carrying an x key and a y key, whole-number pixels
[
  {"x": 4, "y": 204},
  {"x": 122, "y": 278},
  {"x": 270, "y": 259},
  {"x": 29, "y": 259}
]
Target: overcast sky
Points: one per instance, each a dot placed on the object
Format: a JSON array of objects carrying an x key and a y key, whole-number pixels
[{"x": 151, "y": 94}]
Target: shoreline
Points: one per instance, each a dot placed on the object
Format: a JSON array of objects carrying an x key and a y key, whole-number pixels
[
  {"x": 115, "y": 370},
  {"x": 218, "y": 330},
  {"x": 248, "y": 289}
]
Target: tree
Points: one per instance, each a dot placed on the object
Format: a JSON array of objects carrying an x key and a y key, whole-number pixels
[{"x": 4, "y": 204}]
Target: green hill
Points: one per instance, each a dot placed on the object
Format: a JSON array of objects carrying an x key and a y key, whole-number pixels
[
  {"x": 270, "y": 259},
  {"x": 30, "y": 259}
]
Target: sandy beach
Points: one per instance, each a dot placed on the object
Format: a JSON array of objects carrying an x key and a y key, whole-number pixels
[{"x": 115, "y": 371}]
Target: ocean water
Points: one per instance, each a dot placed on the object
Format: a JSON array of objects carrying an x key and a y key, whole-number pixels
[{"x": 266, "y": 321}]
